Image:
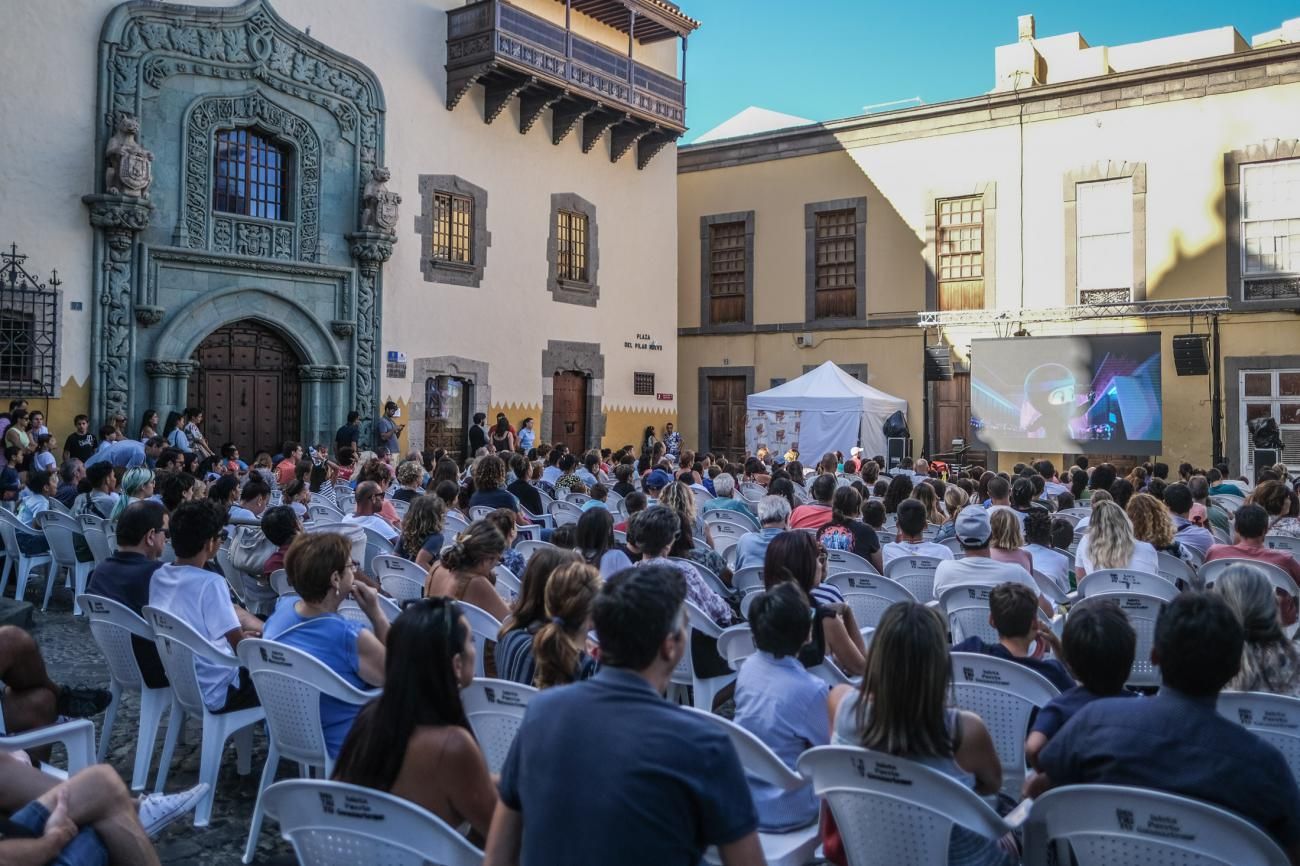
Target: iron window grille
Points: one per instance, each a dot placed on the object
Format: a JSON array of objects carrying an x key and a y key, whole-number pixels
[
  {"x": 29, "y": 328},
  {"x": 727, "y": 272},
  {"x": 643, "y": 384},
  {"x": 837, "y": 256}
]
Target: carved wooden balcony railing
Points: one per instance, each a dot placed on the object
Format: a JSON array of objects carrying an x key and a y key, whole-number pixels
[{"x": 515, "y": 53}]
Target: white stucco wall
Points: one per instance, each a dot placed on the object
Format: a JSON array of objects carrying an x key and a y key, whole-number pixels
[{"x": 47, "y": 159}]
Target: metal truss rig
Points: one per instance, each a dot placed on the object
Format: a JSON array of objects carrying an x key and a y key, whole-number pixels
[{"x": 1081, "y": 312}]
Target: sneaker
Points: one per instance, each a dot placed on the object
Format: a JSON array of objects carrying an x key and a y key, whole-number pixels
[
  {"x": 159, "y": 810},
  {"x": 80, "y": 702}
]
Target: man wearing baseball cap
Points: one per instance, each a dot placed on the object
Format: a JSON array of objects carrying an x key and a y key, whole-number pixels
[
  {"x": 654, "y": 482},
  {"x": 976, "y": 568}
]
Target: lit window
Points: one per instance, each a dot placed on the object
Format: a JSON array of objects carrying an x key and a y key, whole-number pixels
[
  {"x": 571, "y": 246},
  {"x": 453, "y": 228}
]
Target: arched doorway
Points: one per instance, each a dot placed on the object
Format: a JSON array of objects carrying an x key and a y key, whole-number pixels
[{"x": 248, "y": 388}]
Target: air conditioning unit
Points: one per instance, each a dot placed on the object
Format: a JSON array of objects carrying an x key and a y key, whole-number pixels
[{"x": 804, "y": 340}]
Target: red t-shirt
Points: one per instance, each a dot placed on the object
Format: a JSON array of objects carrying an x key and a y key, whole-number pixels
[
  {"x": 810, "y": 517},
  {"x": 1281, "y": 558}
]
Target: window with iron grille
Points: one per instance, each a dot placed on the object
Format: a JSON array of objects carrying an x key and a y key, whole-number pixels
[
  {"x": 643, "y": 384},
  {"x": 453, "y": 228},
  {"x": 727, "y": 272},
  {"x": 961, "y": 253},
  {"x": 571, "y": 246},
  {"x": 250, "y": 175},
  {"x": 29, "y": 322},
  {"x": 836, "y": 261}
]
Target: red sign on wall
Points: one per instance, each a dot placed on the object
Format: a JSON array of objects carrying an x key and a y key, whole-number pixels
[{"x": 663, "y": 396}]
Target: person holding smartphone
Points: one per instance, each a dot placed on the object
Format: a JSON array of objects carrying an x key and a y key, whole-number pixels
[{"x": 387, "y": 430}]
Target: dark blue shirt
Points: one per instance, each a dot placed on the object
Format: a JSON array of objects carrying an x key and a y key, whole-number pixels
[
  {"x": 607, "y": 771},
  {"x": 124, "y": 578},
  {"x": 494, "y": 499},
  {"x": 1062, "y": 708},
  {"x": 1179, "y": 744},
  {"x": 1051, "y": 669}
]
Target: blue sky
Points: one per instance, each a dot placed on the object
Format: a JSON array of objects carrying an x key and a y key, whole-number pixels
[{"x": 824, "y": 59}]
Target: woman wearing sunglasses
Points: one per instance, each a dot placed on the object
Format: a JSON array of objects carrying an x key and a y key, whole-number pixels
[{"x": 414, "y": 740}]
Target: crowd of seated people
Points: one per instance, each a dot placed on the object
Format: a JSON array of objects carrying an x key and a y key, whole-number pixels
[{"x": 599, "y": 625}]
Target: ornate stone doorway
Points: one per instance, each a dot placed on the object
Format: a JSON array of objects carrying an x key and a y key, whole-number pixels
[{"x": 248, "y": 386}]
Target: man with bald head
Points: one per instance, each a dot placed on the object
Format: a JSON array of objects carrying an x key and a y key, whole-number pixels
[{"x": 370, "y": 500}]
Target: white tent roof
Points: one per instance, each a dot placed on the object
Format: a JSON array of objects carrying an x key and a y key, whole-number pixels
[{"x": 827, "y": 389}]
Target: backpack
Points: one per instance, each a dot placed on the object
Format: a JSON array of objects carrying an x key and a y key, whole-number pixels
[{"x": 250, "y": 549}]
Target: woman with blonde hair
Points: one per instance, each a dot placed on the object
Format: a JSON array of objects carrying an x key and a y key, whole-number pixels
[
  {"x": 1152, "y": 523},
  {"x": 560, "y": 645},
  {"x": 1110, "y": 543},
  {"x": 924, "y": 493},
  {"x": 954, "y": 500},
  {"x": 681, "y": 499},
  {"x": 1269, "y": 661},
  {"x": 1007, "y": 541},
  {"x": 137, "y": 484}
]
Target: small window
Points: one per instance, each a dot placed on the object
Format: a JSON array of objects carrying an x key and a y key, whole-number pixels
[
  {"x": 29, "y": 330},
  {"x": 727, "y": 272},
  {"x": 453, "y": 228},
  {"x": 836, "y": 261},
  {"x": 571, "y": 246},
  {"x": 1270, "y": 218},
  {"x": 961, "y": 253},
  {"x": 1104, "y": 241},
  {"x": 643, "y": 384},
  {"x": 250, "y": 175}
]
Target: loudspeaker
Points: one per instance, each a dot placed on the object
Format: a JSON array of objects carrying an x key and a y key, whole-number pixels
[
  {"x": 1266, "y": 457},
  {"x": 896, "y": 448},
  {"x": 1191, "y": 357},
  {"x": 938, "y": 364}
]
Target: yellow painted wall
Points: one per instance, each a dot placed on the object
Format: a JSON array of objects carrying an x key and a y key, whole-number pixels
[{"x": 73, "y": 400}]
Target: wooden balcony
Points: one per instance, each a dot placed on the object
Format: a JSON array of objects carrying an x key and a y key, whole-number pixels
[{"x": 586, "y": 86}]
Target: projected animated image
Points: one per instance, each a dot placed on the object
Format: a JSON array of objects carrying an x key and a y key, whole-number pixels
[{"x": 1067, "y": 394}]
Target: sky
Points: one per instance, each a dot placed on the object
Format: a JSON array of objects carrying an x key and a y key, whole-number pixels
[{"x": 825, "y": 59}]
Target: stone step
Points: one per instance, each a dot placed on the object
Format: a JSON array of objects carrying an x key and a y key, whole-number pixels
[{"x": 17, "y": 613}]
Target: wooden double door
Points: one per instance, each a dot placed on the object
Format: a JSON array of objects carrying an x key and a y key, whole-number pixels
[
  {"x": 248, "y": 387},
  {"x": 727, "y": 395},
  {"x": 569, "y": 410},
  {"x": 447, "y": 402}
]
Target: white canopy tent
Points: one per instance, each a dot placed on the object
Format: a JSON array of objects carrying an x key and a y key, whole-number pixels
[{"x": 823, "y": 410}]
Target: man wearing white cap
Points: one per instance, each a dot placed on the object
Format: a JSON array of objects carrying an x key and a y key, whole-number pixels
[{"x": 976, "y": 568}]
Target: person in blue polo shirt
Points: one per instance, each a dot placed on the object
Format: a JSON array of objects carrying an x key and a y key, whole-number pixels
[
  {"x": 1177, "y": 742},
  {"x": 607, "y": 771}
]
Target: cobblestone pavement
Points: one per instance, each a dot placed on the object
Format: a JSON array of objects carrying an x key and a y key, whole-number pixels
[{"x": 72, "y": 657}]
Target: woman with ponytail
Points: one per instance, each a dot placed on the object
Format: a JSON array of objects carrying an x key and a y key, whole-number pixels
[
  {"x": 559, "y": 647},
  {"x": 465, "y": 570}
]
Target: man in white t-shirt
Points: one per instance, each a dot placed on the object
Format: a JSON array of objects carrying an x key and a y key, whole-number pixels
[
  {"x": 201, "y": 599},
  {"x": 911, "y": 522},
  {"x": 973, "y": 530},
  {"x": 370, "y": 500}
]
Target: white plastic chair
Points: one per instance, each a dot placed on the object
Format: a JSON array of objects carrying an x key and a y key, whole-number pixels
[
  {"x": 704, "y": 690},
  {"x": 702, "y": 497},
  {"x": 180, "y": 647},
  {"x": 735, "y": 644},
  {"x": 63, "y": 552},
  {"x": 843, "y": 560},
  {"x": 1004, "y": 694},
  {"x": 290, "y": 684},
  {"x": 335, "y": 824},
  {"x": 726, "y": 515},
  {"x": 715, "y": 583},
  {"x": 794, "y": 847},
  {"x": 1275, "y": 719},
  {"x": 401, "y": 587},
  {"x": 1049, "y": 588},
  {"x": 112, "y": 625},
  {"x": 495, "y": 709},
  {"x": 891, "y": 811},
  {"x": 453, "y": 524},
  {"x": 390, "y": 565},
  {"x": 77, "y": 737},
  {"x": 564, "y": 513},
  {"x": 400, "y": 507},
  {"x": 752, "y": 491},
  {"x": 485, "y": 627},
  {"x": 1278, "y": 577},
  {"x": 280, "y": 582},
  {"x": 748, "y": 580},
  {"x": 506, "y": 584},
  {"x": 21, "y": 563},
  {"x": 966, "y": 607},
  {"x": 955, "y": 546},
  {"x": 1110, "y": 825},
  {"x": 747, "y": 601},
  {"x": 234, "y": 578},
  {"x": 726, "y": 535},
  {"x": 1289, "y": 543},
  {"x": 478, "y": 512},
  {"x": 323, "y": 512},
  {"x": 98, "y": 543},
  {"x": 1123, "y": 580},
  {"x": 527, "y": 548},
  {"x": 1141, "y": 611},
  {"x": 869, "y": 595},
  {"x": 916, "y": 573},
  {"x": 1074, "y": 514},
  {"x": 1173, "y": 569}
]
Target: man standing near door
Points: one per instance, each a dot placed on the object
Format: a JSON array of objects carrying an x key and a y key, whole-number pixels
[
  {"x": 478, "y": 437},
  {"x": 387, "y": 430},
  {"x": 349, "y": 434}
]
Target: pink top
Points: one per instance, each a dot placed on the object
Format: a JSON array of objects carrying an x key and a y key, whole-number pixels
[{"x": 1017, "y": 557}]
